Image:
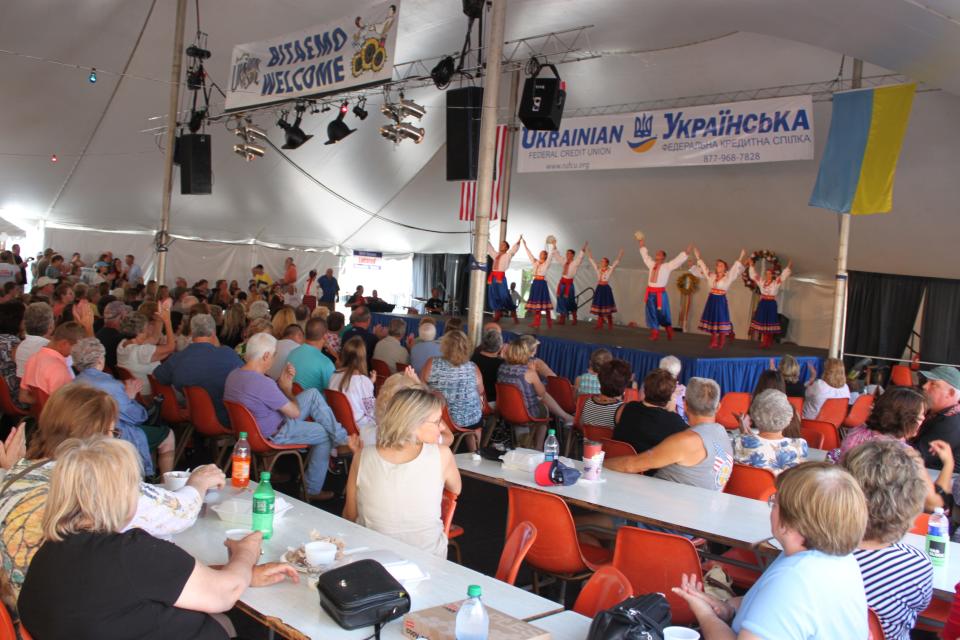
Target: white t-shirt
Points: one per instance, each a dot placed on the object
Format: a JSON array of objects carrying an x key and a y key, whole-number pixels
[
  {"x": 360, "y": 395},
  {"x": 8, "y": 272},
  {"x": 135, "y": 358},
  {"x": 818, "y": 393}
]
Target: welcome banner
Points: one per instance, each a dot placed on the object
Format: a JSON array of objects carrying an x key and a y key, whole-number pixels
[
  {"x": 769, "y": 130},
  {"x": 354, "y": 51}
]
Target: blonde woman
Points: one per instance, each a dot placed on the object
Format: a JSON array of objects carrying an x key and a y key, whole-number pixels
[
  {"x": 352, "y": 379},
  {"x": 234, "y": 322},
  {"x": 397, "y": 382},
  {"x": 397, "y": 486},
  {"x": 832, "y": 384},
  {"x": 283, "y": 319},
  {"x": 789, "y": 368},
  {"x": 133, "y": 585},
  {"x": 457, "y": 378}
]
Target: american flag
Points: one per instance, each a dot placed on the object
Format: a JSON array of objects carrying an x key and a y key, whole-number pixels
[{"x": 468, "y": 189}]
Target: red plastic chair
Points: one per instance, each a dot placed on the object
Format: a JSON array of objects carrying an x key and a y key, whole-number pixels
[
  {"x": 655, "y": 562},
  {"x": 732, "y": 403},
  {"x": 7, "y": 406},
  {"x": 631, "y": 395},
  {"x": 831, "y": 439},
  {"x": 172, "y": 413},
  {"x": 556, "y": 551},
  {"x": 512, "y": 409},
  {"x": 265, "y": 453},
  {"x": 40, "y": 398},
  {"x": 342, "y": 410},
  {"x": 7, "y": 629},
  {"x": 561, "y": 390},
  {"x": 586, "y": 431},
  {"x": 813, "y": 437},
  {"x": 750, "y": 482},
  {"x": 859, "y": 412},
  {"x": 460, "y": 433},
  {"x": 605, "y": 588},
  {"x": 448, "y": 505},
  {"x": 834, "y": 411},
  {"x": 901, "y": 376},
  {"x": 383, "y": 372},
  {"x": 124, "y": 374},
  {"x": 296, "y": 388},
  {"x": 936, "y": 614},
  {"x": 515, "y": 549},
  {"x": 797, "y": 403},
  {"x": 874, "y": 626},
  {"x": 615, "y": 448},
  {"x": 921, "y": 524},
  {"x": 401, "y": 366},
  {"x": 203, "y": 417}
]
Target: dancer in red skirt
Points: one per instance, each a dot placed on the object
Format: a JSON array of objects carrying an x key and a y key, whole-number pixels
[
  {"x": 539, "y": 300},
  {"x": 766, "y": 319},
  {"x": 604, "y": 306}
]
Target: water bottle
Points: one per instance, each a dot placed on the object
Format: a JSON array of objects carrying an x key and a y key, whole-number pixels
[
  {"x": 263, "y": 502},
  {"x": 938, "y": 538},
  {"x": 551, "y": 446},
  {"x": 240, "y": 463},
  {"x": 472, "y": 620}
]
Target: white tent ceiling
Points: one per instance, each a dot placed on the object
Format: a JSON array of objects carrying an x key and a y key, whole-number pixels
[{"x": 109, "y": 170}]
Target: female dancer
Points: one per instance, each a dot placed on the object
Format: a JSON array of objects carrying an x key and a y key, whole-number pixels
[
  {"x": 566, "y": 292},
  {"x": 604, "y": 306},
  {"x": 766, "y": 319},
  {"x": 498, "y": 296},
  {"x": 539, "y": 299},
  {"x": 716, "y": 313}
]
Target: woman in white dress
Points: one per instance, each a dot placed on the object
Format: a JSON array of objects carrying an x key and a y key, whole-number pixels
[{"x": 140, "y": 353}]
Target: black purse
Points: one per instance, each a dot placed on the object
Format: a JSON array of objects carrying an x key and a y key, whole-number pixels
[
  {"x": 639, "y": 618},
  {"x": 362, "y": 594}
]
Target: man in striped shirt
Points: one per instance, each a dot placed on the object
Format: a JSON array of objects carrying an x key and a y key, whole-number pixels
[{"x": 897, "y": 577}]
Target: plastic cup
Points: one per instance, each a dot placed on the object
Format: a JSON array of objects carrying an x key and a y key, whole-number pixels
[
  {"x": 237, "y": 534},
  {"x": 320, "y": 553},
  {"x": 590, "y": 449},
  {"x": 173, "y": 480},
  {"x": 680, "y": 633},
  {"x": 592, "y": 467}
]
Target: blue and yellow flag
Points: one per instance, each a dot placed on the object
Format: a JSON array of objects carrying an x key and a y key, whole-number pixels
[{"x": 860, "y": 161}]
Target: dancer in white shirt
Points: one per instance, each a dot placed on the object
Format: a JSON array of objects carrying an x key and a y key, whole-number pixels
[
  {"x": 539, "y": 299},
  {"x": 656, "y": 298},
  {"x": 566, "y": 292},
  {"x": 498, "y": 296},
  {"x": 766, "y": 319},
  {"x": 716, "y": 313},
  {"x": 604, "y": 306}
]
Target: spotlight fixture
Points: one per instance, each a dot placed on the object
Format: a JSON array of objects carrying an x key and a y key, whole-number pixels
[
  {"x": 295, "y": 136},
  {"x": 410, "y": 108},
  {"x": 390, "y": 111},
  {"x": 473, "y": 9},
  {"x": 92, "y": 78},
  {"x": 410, "y": 132},
  {"x": 389, "y": 131},
  {"x": 248, "y": 151},
  {"x": 337, "y": 130},
  {"x": 197, "y": 117},
  {"x": 53, "y": 158},
  {"x": 194, "y": 51},
  {"x": 443, "y": 72},
  {"x": 249, "y": 132},
  {"x": 359, "y": 110}
]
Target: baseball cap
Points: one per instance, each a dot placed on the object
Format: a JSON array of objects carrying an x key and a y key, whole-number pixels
[
  {"x": 43, "y": 281},
  {"x": 542, "y": 474},
  {"x": 950, "y": 375}
]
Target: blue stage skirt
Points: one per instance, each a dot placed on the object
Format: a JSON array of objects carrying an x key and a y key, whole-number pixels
[
  {"x": 716, "y": 315},
  {"x": 539, "y": 299},
  {"x": 766, "y": 319},
  {"x": 603, "y": 302},
  {"x": 498, "y": 295}
]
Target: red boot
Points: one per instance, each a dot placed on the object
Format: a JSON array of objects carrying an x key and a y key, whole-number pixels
[
  {"x": 513, "y": 314},
  {"x": 714, "y": 340},
  {"x": 609, "y": 322},
  {"x": 573, "y": 319},
  {"x": 599, "y": 324},
  {"x": 669, "y": 332},
  {"x": 654, "y": 334},
  {"x": 721, "y": 338},
  {"x": 497, "y": 315},
  {"x": 536, "y": 321},
  {"x": 549, "y": 320},
  {"x": 561, "y": 318}
]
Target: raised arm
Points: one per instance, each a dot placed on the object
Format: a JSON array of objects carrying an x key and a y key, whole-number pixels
[
  {"x": 613, "y": 265},
  {"x": 491, "y": 251},
  {"x": 592, "y": 264},
  {"x": 678, "y": 260},
  {"x": 786, "y": 272},
  {"x": 516, "y": 247},
  {"x": 645, "y": 255},
  {"x": 734, "y": 272},
  {"x": 533, "y": 259},
  {"x": 752, "y": 272}
]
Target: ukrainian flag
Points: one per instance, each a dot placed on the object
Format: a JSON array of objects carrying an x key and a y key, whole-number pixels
[{"x": 860, "y": 161}]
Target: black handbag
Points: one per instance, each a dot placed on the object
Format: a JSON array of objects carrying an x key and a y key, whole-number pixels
[
  {"x": 362, "y": 594},
  {"x": 639, "y": 618}
]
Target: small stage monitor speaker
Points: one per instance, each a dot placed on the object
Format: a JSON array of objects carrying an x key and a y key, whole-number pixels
[{"x": 541, "y": 106}]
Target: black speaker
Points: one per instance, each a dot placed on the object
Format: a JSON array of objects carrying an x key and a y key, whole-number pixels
[
  {"x": 541, "y": 106},
  {"x": 196, "y": 176},
  {"x": 464, "y": 107}
]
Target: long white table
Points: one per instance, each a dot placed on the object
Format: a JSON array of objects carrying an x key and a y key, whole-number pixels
[
  {"x": 568, "y": 625},
  {"x": 945, "y": 578},
  {"x": 287, "y": 606},
  {"x": 727, "y": 519}
]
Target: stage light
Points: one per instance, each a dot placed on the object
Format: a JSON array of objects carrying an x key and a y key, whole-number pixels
[
  {"x": 443, "y": 72},
  {"x": 410, "y": 108},
  {"x": 410, "y": 132},
  {"x": 295, "y": 136},
  {"x": 389, "y": 131},
  {"x": 248, "y": 151},
  {"x": 473, "y": 9},
  {"x": 196, "y": 119},
  {"x": 359, "y": 110},
  {"x": 390, "y": 111},
  {"x": 337, "y": 130},
  {"x": 344, "y": 107},
  {"x": 194, "y": 51},
  {"x": 92, "y": 78},
  {"x": 249, "y": 132},
  {"x": 53, "y": 158}
]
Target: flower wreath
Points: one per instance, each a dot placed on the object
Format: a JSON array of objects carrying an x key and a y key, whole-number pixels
[
  {"x": 687, "y": 283},
  {"x": 773, "y": 261}
]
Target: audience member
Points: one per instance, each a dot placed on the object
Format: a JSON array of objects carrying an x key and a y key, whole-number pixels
[
  {"x": 488, "y": 361},
  {"x": 138, "y": 353},
  {"x": 284, "y": 418},
  {"x": 38, "y": 326},
  {"x": 397, "y": 487},
  {"x": 314, "y": 369},
  {"x": 109, "y": 334},
  {"x": 458, "y": 380},
  {"x": 587, "y": 383},
  {"x": 700, "y": 456},
  {"x": 454, "y": 324},
  {"x": 832, "y": 384},
  {"x": 647, "y": 423},
  {"x": 517, "y": 370},
  {"x": 426, "y": 346},
  {"x": 770, "y": 414},
  {"x": 334, "y": 327},
  {"x": 204, "y": 363},
  {"x": 329, "y": 288},
  {"x": 600, "y": 410},
  {"x": 282, "y": 319},
  {"x": 942, "y": 390},
  {"x": 11, "y": 324},
  {"x": 356, "y": 299},
  {"x": 234, "y": 322},
  {"x": 789, "y": 368},
  {"x": 260, "y": 277},
  {"x": 360, "y": 327},
  {"x": 673, "y": 366},
  {"x": 48, "y": 369},
  {"x": 390, "y": 348},
  {"x": 814, "y": 588},
  {"x": 353, "y": 379},
  {"x": 258, "y": 309},
  {"x": 289, "y": 339},
  {"x": 897, "y": 578}
]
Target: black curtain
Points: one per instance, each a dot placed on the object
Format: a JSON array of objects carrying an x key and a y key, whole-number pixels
[
  {"x": 940, "y": 338},
  {"x": 881, "y": 311}
]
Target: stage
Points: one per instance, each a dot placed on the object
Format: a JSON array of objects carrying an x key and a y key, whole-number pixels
[{"x": 567, "y": 349}]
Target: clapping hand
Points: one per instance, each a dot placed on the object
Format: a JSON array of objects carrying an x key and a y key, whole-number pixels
[
  {"x": 14, "y": 447},
  {"x": 132, "y": 386},
  {"x": 943, "y": 451},
  {"x": 701, "y": 603}
]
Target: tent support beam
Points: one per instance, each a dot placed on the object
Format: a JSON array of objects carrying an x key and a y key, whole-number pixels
[
  {"x": 488, "y": 143},
  {"x": 163, "y": 235},
  {"x": 510, "y": 151},
  {"x": 840, "y": 292}
]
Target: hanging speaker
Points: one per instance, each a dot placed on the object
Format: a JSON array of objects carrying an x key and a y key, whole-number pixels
[
  {"x": 464, "y": 107},
  {"x": 196, "y": 175},
  {"x": 541, "y": 106}
]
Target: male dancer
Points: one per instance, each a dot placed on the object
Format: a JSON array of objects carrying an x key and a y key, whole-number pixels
[
  {"x": 566, "y": 292},
  {"x": 657, "y": 300}
]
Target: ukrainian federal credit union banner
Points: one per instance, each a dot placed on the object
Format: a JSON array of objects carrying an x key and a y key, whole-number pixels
[
  {"x": 733, "y": 133},
  {"x": 353, "y": 51}
]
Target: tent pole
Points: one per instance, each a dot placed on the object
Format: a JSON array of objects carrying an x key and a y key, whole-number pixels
[
  {"x": 171, "y": 139},
  {"x": 510, "y": 151},
  {"x": 488, "y": 143},
  {"x": 840, "y": 293}
]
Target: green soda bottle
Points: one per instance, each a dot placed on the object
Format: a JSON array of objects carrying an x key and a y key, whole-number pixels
[{"x": 263, "y": 501}]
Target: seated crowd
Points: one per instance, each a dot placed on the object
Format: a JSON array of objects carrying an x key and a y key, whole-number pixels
[{"x": 92, "y": 363}]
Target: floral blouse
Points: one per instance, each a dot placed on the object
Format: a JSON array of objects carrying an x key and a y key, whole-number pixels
[
  {"x": 775, "y": 455},
  {"x": 8, "y": 366}
]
